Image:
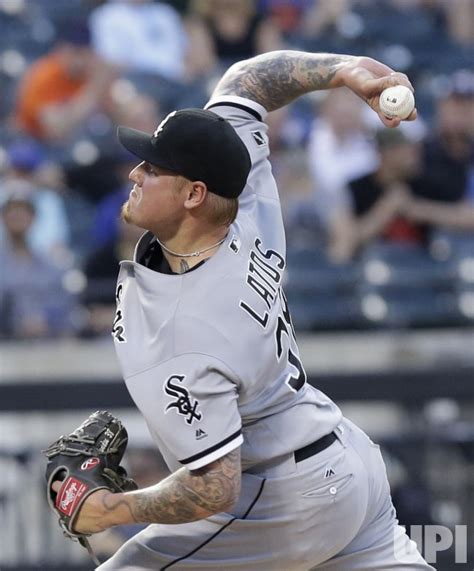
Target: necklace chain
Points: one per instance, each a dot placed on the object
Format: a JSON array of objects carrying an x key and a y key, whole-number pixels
[{"x": 192, "y": 254}]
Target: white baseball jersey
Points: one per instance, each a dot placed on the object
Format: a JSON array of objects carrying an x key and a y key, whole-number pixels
[{"x": 210, "y": 356}]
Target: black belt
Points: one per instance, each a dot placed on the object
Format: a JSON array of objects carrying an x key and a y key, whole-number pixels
[{"x": 315, "y": 447}]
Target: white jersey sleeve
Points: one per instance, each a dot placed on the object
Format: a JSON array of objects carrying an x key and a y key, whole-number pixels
[
  {"x": 190, "y": 403},
  {"x": 248, "y": 119},
  {"x": 260, "y": 201}
]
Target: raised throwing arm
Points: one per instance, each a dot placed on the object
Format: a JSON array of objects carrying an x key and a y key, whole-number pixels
[{"x": 276, "y": 78}]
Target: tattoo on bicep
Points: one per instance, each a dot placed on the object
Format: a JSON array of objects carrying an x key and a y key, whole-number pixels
[
  {"x": 187, "y": 496},
  {"x": 276, "y": 78},
  {"x": 268, "y": 82}
]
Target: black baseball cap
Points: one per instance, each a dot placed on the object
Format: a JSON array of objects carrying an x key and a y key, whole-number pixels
[{"x": 197, "y": 144}]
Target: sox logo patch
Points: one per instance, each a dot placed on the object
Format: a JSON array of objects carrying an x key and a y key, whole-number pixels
[{"x": 182, "y": 403}]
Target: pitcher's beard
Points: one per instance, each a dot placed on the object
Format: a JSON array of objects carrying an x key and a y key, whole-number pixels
[{"x": 125, "y": 213}]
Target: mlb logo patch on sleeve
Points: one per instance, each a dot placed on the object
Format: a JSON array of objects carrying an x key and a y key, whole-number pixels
[{"x": 259, "y": 138}]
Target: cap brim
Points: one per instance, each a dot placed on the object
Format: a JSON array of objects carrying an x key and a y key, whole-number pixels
[{"x": 139, "y": 144}]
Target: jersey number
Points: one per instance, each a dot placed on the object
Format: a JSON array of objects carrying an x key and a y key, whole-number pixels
[{"x": 285, "y": 326}]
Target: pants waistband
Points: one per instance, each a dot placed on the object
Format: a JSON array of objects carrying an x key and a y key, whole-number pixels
[
  {"x": 286, "y": 464},
  {"x": 315, "y": 447}
]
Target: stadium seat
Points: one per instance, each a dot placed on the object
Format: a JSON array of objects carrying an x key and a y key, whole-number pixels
[
  {"x": 411, "y": 308},
  {"x": 396, "y": 266},
  {"x": 326, "y": 311},
  {"x": 309, "y": 270},
  {"x": 445, "y": 244}
]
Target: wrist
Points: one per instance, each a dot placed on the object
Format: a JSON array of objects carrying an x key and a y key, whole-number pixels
[
  {"x": 117, "y": 509},
  {"x": 344, "y": 69}
]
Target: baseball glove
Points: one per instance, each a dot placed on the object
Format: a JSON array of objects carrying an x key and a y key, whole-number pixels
[{"x": 85, "y": 461}]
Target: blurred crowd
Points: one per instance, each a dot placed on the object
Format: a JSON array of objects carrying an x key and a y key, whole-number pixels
[{"x": 72, "y": 70}]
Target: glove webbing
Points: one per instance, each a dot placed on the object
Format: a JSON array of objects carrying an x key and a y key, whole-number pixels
[{"x": 65, "y": 445}]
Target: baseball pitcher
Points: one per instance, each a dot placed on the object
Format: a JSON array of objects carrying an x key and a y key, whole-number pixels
[{"x": 266, "y": 472}]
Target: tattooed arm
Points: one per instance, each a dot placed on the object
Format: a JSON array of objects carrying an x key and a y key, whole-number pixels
[
  {"x": 185, "y": 496},
  {"x": 276, "y": 78},
  {"x": 188, "y": 495}
]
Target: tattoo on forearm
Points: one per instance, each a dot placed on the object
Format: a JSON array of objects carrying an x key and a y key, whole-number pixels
[
  {"x": 276, "y": 78},
  {"x": 186, "y": 495}
]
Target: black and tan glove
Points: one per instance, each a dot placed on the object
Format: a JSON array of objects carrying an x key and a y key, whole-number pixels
[{"x": 85, "y": 461}]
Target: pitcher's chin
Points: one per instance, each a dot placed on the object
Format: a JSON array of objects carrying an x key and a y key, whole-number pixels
[{"x": 125, "y": 213}]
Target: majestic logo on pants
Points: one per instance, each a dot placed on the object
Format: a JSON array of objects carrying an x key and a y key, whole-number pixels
[{"x": 183, "y": 404}]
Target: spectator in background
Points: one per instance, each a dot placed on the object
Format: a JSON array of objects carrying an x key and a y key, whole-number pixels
[
  {"x": 141, "y": 35},
  {"x": 286, "y": 16},
  {"x": 288, "y": 130},
  {"x": 107, "y": 217},
  {"x": 341, "y": 149},
  {"x": 236, "y": 29},
  {"x": 459, "y": 16},
  {"x": 377, "y": 200},
  {"x": 321, "y": 17},
  {"x": 416, "y": 188},
  {"x": 138, "y": 112},
  {"x": 150, "y": 37},
  {"x": 49, "y": 233},
  {"x": 63, "y": 88},
  {"x": 445, "y": 190},
  {"x": 33, "y": 302},
  {"x": 101, "y": 269}
]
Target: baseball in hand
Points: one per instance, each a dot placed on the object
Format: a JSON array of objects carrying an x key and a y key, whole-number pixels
[{"x": 397, "y": 102}]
